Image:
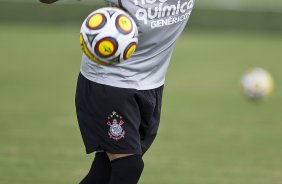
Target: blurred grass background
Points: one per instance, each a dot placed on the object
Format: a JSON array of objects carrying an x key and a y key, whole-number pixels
[{"x": 209, "y": 134}]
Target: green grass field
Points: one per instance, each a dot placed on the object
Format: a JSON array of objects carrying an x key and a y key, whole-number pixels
[
  {"x": 209, "y": 134},
  {"x": 251, "y": 3}
]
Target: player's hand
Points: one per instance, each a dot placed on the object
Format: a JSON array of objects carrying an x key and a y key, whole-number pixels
[{"x": 48, "y": 1}]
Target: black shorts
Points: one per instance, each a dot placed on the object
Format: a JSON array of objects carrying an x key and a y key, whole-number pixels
[{"x": 117, "y": 120}]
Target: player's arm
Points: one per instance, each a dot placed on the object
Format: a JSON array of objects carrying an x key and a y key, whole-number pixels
[{"x": 48, "y": 1}]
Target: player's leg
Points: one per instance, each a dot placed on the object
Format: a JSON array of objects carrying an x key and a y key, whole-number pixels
[
  {"x": 150, "y": 121},
  {"x": 126, "y": 168},
  {"x": 100, "y": 170},
  {"x": 109, "y": 119}
]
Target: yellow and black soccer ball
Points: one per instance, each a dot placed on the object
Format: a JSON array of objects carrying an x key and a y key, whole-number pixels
[{"x": 109, "y": 36}]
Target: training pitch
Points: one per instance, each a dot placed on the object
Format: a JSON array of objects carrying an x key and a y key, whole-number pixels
[{"x": 209, "y": 134}]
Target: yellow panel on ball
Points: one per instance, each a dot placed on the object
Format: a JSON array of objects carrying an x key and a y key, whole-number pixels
[
  {"x": 106, "y": 48},
  {"x": 96, "y": 21},
  {"x": 88, "y": 53},
  {"x": 130, "y": 50},
  {"x": 124, "y": 24}
]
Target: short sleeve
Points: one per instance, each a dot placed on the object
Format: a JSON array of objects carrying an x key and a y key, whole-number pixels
[{"x": 113, "y": 2}]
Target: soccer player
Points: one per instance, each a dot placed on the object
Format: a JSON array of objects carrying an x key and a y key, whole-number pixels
[{"x": 118, "y": 107}]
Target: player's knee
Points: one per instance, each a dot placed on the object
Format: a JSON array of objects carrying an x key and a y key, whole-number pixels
[
  {"x": 127, "y": 170},
  {"x": 130, "y": 163},
  {"x": 113, "y": 156},
  {"x": 133, "y": 162}
]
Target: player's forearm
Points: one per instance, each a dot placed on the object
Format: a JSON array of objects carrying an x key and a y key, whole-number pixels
[{"x": 48, "y": 1}]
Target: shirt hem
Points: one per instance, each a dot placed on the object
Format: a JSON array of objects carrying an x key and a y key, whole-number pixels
[{"x": 120, "y": 84}]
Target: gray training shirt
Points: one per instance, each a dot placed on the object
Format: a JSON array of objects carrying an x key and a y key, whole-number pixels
[{"x": 160, "y": 22}]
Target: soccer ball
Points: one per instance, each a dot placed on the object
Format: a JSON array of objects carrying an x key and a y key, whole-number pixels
[
  {"x": 108, "y": 36},
  {"x": 257, "y": 84}
]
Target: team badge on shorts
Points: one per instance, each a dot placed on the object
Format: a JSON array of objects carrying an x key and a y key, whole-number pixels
[{"x": 115, "y": 122}]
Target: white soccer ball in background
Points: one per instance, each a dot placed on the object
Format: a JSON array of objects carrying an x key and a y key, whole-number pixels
[
  {"x": 109, "y": 36},
  {"x": 257, "y": 84}
]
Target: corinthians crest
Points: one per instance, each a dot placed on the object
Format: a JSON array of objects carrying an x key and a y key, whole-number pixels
[{"x": 115, "y": 122}]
